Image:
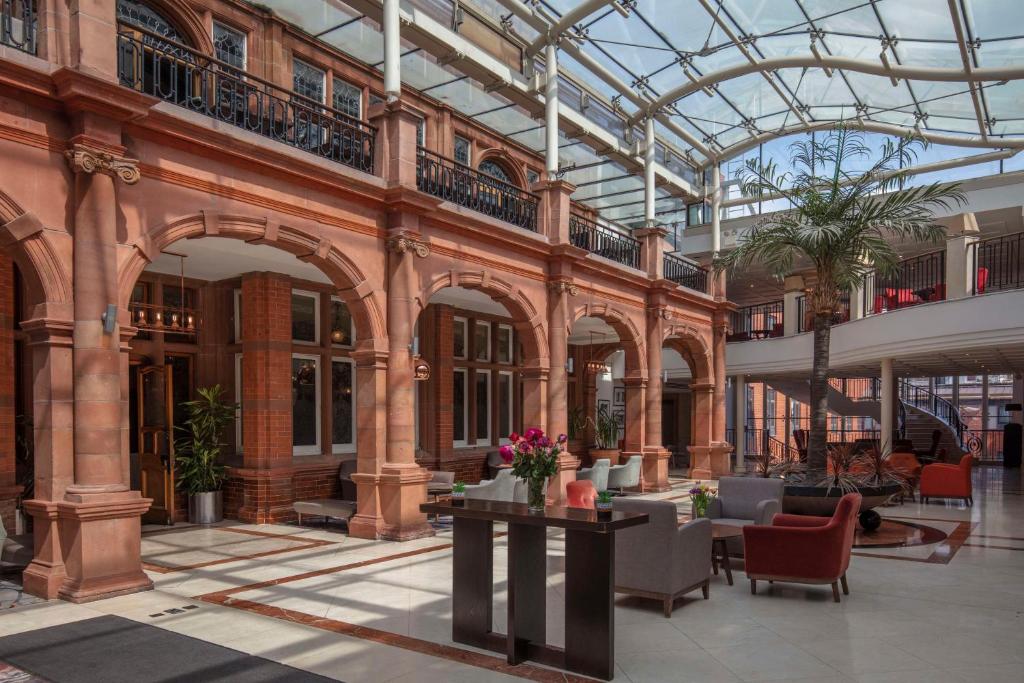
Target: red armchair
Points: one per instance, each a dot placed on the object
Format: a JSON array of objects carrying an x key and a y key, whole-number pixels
[
  {"x": 580, "y": 494},
  {"x": 802, "y": 549},
  {"x": 940, "y": 480}
]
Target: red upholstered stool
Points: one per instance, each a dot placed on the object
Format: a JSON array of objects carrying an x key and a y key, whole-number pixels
[{"x": 581, "y": 494}]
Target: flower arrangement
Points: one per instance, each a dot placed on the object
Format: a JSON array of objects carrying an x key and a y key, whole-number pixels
[
  {"x": 701, "y": 496},
  {"x": 534, "y": 458}
]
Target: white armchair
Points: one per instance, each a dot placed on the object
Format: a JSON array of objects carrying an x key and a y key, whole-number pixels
[
  {"x": 626, "y": 476},
  {"x": 502, "y": 487},
  {"x": 597, "y": 474}
]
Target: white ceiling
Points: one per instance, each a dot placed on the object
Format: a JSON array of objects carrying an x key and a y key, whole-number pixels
[
  {"x": 219, "y": 258},
  {"x": 469, "y": 300},
  {"x": 590, "y": 330}
]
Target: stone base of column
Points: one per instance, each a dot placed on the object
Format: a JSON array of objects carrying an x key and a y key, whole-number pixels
[
  {"x": 567, "y": 465},
  {"x": 45, "y": 574},
  {"x": 367, "y": 522},
  {"x": 710, "y": 462},
  {"x": 655, "y": 472},
  {"x": 267, "y": 495},
  {"x": 102, "y": 539},
  {"x": 403, "y": 488}
]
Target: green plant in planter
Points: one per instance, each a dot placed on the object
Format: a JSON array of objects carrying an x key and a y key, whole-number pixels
[
  {"x": 198, "y": 450},
  {"x": 604, "y": 498},
  {"x": 841, "y": 465},
  {"x": 606, "y": 430},
  {"x": 459, "y": 488}
]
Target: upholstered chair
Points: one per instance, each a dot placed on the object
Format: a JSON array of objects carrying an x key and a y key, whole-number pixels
[
  {"x": 661, "y": 559},
  {"x": 745, "y": 500},
  {"x": 626, "y": 476},
  {"x": 494, "y": 463},
  {"x": 502, "y": 488},
  {"x": 803, "y": 549},
  {"x": 15, "y": 551},
  {"x": 597, "y": 474},
  {"x": 940, "y": 480},
  {"x": 580, "y": 494}
]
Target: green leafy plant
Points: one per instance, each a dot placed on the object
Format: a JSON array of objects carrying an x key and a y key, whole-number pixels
[
  {"x": 459, "y": 487},
  {"x": 604, "y": 497},
  {"x": 606, "y": 430},
  {"x": 198, "y": 450},
  {"x": 577, "y": 422},
  {"x": 841, "y": 224}
]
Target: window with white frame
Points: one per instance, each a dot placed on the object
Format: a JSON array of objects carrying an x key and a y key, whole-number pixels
[
  {"x": 459, "y": 337},
  {"x": 482, "y": 340},
  {"x": 305, "y": 404},
  {"x": 505, "y": 403},
  {"x": 238, "y": 316},
  {"x": 463, "y": 151},
  {"x": 504, "y": 343},
  {"x": 305, "y": 317},
  {"x": 342, "y": 328},
  {"x": 343, "y": 405},
  {"x": 460, "y": 407},
  {"x": 347, "y": 98},
  {"x": 482, "y": 402},
  {"x": 238, "y": 403},
  {"x": 229, "y": 45}
]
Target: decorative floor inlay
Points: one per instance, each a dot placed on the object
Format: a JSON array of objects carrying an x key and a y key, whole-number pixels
[
  {"x": 943, "y": 553},
  {"x": 897, "y": 534},
  {"x": 177, "y": 558}
]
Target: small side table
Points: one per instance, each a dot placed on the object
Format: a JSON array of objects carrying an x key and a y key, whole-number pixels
[{"x": 720, "y": 535}]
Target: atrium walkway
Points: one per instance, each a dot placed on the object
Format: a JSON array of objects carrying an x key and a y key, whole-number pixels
[{"x": 317, "y": 600}]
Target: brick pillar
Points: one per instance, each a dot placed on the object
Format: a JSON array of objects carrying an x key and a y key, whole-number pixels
[
  {"x": 590, "y": 372},
  {"x": 634, "y": 439},
  {"x": 8, "y": 490},
  {"x": 555, "y": 209},
  {"x": 701, "y": 450},
  {"x": 266, "y": 471},
  {"x": 652, "y": 241},
  {"x": 440, "y": 387},
  {"x": 403, "y": 483},
  {"x": 371, "y": 428},
  {"x": 535, "y": 396},
  {"x": 655, "y": 455},
  {"x": 558, "y": 408}
]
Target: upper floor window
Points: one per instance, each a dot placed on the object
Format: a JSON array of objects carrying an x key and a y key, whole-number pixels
[
  {"x": 532, "y": 176},
  {"x": 421, "y": 133},
  {"x": 229, "y": 45},
  {"x": 308, "y": 81},
  {"x": 141, "y": 15},
  {"x": 347, "y": 98},
  {"x": 462, "y": 150},
  {"x": 495, "y": 170}
]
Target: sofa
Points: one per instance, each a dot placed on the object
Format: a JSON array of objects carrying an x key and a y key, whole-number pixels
[
  {"x": 661, "y": 560},
  {"x": 940, "y": 480},
  {"x": 803, "y": 549}
]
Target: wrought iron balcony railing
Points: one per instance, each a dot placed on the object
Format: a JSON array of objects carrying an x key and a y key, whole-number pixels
[
  {"x": 173, "y": 72},
  {"x": 917, "y": 280},
  {"x": 760, "y": 321},
  {"x": 805, "y": 318},
  {"x": 18, "y": 24},
  {"x": 998, "y": 263},
  {"x": 466, "y": 186},
  {"x": 615, "y": 246},
  {"x": 689, "y": 275}
]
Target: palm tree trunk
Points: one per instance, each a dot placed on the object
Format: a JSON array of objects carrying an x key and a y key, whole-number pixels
[{"x": 818, "y": 440}]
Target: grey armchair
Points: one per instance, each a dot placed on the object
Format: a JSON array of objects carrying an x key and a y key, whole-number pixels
[
  {"x": 502, "y": 488},
  {"x": 746, "y": 500},
  {"x": 626, "y": 476},
  {"x": 661, "y": 560},
  {"x": 597, "y": 474}
]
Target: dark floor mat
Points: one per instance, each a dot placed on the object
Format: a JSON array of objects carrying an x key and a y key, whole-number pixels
[{"x": 110, "y": 649}]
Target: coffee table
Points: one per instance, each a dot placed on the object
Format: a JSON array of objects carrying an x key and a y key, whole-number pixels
[{"x": 720, "y": 535}]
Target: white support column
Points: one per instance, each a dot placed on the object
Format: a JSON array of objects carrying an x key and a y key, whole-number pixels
[
  {"x": 794, "y": 289},
  {"x": 392, "y": 52},
  {"x": 740, "y": 384},
  {"x": 551, "y": 110},
  {"x": 961, "y": 232},
  {"x": 888, "y": 406},
  {"x": 649, "y": 182},
  {"x": 716, "y": 209}
]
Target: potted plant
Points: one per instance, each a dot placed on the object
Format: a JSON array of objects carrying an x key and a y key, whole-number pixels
[
  {"x": 534, "y": 458},
  {"x": 701, "y": 496},
  {"x": 603, "y": 504},
  {"x": 577, "y": 423},
  {"x": 198, "y": 451},
  {"x": 459, "y": 493},
  {"x": 606, "y": 434},
  {"x": 847, "y": 471}
]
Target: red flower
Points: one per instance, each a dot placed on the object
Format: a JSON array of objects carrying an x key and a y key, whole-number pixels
[{"x": 507, "y": 454}]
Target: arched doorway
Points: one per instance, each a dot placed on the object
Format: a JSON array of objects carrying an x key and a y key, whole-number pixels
[{"x": 687, "y": 359}]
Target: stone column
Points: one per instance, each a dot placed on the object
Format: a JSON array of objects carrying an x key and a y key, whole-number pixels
[
  {"x": 535, "y": 397},
  {"x": 794, "y": 289},
  {"x": 652, "y": 251},
  {"x": 396, "y": 154},
  {"x": 656, "y": 457},
  {"x": 720, "y": 448},
  {"x": 591, "y": 370},
  {"x": 555, "y": 209},
  {"x": 558, "y": 409},
  {"x": 702, "y": 394},
  {"x": 402, "y": 482},
  {"x": 740, "y": 384},
  {"x": 888, "y": 400},
  {"x": 8, "y": 489},
  {"x": 961, "y": 232},
  {"x": 99, "y": 517},
  {"x": 266, "y": 473},
  {"x": 371, "y": 430},
  {"x": 636, "y": 386}
]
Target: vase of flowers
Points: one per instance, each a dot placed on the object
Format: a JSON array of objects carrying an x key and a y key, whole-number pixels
[
  {"x": 534, "y": 458},
  {"x": 603, "y": 505},
  {"x": 701, "y": 496},
  {"x": 459, "y": 493}
]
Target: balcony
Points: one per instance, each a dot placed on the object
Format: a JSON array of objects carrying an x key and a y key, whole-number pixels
[
  {"x": 172, "y": 72},
  {"x": 452, "y": 181},
  {"x": 997, "y": 263},
  {"x": 805, "y": 318},
  {"x": 760, "y": 321},
  {"x": 917, "y": 280},
  {"x": 614, "y": 246},
  {"x": 18, "y": 25},
  {"x": 689, "y": 275}
]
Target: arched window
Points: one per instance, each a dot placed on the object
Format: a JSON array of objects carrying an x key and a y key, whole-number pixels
[
  {"x": 494, "y": 169},
  {"x": 151, "y": 65},
  {"x": 136, "y": 14}
]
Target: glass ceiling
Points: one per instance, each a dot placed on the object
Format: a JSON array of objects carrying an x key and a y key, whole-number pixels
[{"x": 627, "y": 54}]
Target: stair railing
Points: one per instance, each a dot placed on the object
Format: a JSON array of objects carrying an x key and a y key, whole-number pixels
[{"x": 927, "y": 401}]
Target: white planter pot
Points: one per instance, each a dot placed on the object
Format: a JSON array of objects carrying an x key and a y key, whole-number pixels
[{"x": 206, "y": 508}]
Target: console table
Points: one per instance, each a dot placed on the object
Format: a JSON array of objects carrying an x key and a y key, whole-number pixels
[{"x": 589, "y": 582}]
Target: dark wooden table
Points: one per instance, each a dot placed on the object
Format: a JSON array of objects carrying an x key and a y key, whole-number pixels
[
  {"x": 720, "y": 535},
  {"x": 589, "y": 582}
]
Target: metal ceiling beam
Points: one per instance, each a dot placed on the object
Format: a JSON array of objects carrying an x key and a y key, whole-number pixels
[
  {"x": 961, "y": 41},
  {"x": 566, "y": 22},
  {"x": 918, "y": 73}
]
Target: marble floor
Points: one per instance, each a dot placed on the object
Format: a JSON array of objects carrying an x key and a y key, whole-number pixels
[{"x": 356, "y": 610}]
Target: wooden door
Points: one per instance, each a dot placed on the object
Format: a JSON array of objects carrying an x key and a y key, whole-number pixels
[{"x": 154, "y": 393}]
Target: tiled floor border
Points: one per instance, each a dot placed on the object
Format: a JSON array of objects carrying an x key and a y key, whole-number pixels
[
  {"x": 944, "y": 551},
  {"x": 307, "y": 544}
]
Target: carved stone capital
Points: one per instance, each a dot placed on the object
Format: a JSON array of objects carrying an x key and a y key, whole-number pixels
[
  {"x": 660, "y": 312},
  {"x": 563, "y": 287},
  {"x": 84, "y": 159},
  {"x": 403, "y": 244}
]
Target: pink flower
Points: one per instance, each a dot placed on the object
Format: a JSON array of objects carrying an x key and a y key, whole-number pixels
[
  {"x": 513, "y": 437},
  {"x": 532, "y": 434},
  {"x": 562, "y": 438},
  {"x": 507, "y": 454},
  {"x": 544, "y": 441}
]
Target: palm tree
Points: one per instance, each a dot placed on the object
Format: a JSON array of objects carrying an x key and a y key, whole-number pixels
[{"x": 840, "y": 223}]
